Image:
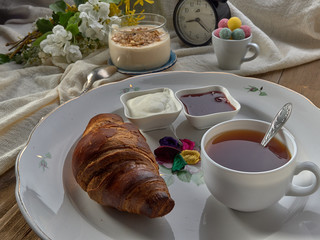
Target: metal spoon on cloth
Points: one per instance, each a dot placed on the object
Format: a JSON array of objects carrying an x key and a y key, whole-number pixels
[
  {"x": 97, "y": 74},
  {"x": 279, "y": 120}
]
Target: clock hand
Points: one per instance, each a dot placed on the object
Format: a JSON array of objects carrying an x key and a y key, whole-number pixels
[{"x": 198, "y": 20}]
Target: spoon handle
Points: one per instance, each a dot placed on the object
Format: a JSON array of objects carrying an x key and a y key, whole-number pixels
[
  {"x": 276, "y": 124},
  {"x": 87, "y": 86}
]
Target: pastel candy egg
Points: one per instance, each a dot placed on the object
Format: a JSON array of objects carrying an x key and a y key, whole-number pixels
[
  {"x": 225, "y": 33},
  {"x": 237, "y": 34},
  {"x": 216, "y": 32},
  {"x": 247, "y": 30},
  {"x": 234, "y": 23},
  {"x": 223, "y": 23}
]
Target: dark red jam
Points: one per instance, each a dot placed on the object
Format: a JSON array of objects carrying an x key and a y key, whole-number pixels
[{"x": 206, "y": 103}]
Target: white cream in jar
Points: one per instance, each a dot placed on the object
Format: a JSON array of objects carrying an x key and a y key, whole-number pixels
[
  {"x": 139, "y": 47},
  {"x": 151, "y": 104}
]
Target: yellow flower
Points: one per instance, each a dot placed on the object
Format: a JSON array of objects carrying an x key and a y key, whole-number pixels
[
  {"x": 71, "y": 8},
  {"x": 114, "y": 10},
  {"x": 142, "y": 1}
]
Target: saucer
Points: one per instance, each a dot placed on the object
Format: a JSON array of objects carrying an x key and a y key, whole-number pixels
[{"x": 172, "y": 60}]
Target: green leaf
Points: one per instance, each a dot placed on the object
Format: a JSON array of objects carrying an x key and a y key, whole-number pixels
[
  {"x": 73, "y": 24},
  {"x": 4, "y": 58},
  {"x": 73, "y": 28},
  {"x": 44, "y": 25},
  {"x": 55, "y": 17},
  {"x": 40, "y": 39},
  {"x": 169, "y": 179},
  {"x": 252, "y": 88},
  {"x": 64, "y": 18},
  {"x": 263, "y": 94},
  {"x": 79, "y": 2},
  {"x": 184, "y": 176},
  {"x": 58, "y": 6},
  {"x": 197, "y": 178},
  {"x": 178, "y": 163},
  {"x": 75, "y": 19}
]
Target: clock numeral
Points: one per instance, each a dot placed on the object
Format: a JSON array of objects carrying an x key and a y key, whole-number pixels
[
  {"x": 186, "y": 10},
  {"x": 191, "y": 4},
  {"x": 198, "y": 2}
]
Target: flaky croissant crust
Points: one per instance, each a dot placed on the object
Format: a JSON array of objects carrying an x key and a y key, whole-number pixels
[{"x": 113, "y": 163}]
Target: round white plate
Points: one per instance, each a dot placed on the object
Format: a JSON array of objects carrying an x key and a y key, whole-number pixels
[{"x": 56, "y": 207}]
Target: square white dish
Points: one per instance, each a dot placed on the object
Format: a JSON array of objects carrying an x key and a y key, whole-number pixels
[
  {"x": 151, "y": 121},
  {"x": 208, "y": 120}
]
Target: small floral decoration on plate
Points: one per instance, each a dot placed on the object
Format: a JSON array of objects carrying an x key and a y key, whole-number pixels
[
  {"x": 180, "y": 158},
  {"x": 255, "y": 89}
]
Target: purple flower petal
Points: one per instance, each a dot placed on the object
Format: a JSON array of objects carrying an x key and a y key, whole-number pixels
[
  {"x": 187, "y": 144},
  {"x": 165, "y": 154},
  {"x": 169, "y": 141}
]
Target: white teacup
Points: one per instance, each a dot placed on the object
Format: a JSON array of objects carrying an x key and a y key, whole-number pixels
[
  {"x": 254, "y": 191},
  {"x": 232, "y": 53}
]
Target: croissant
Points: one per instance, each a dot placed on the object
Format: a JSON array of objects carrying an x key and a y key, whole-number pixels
[{"x": 113, "y": 163}]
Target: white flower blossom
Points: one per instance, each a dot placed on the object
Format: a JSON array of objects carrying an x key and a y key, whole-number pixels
[
  {"x": 72, "y": 52},
  {"x": 58, "y": 44},
  {"x": 94, "y": 15}
]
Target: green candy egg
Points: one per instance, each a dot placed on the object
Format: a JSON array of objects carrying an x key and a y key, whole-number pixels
[
  {"x": 238, "y": 34},
  {"x": 225, "y": 33}
]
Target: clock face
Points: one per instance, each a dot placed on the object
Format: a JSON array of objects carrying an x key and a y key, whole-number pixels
[{"x": 194, "y": 21}]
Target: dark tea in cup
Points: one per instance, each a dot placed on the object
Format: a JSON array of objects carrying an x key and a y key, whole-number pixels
[
  {"x": 241, "y": 150},
  {"x": 262, "y": 176}
]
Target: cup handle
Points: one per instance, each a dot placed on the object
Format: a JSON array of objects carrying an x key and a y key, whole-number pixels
[
  {"x": 295, "y": 190},
  {"x": 256, "y": 51}
]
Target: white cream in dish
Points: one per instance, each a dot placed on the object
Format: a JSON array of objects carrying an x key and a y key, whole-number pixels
[
  {"x": 151, "y": 104},
  {"x": 139, "y": 47}
]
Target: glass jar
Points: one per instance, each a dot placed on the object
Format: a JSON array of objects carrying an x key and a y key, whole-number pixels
[{"x": 139, "y": 42}]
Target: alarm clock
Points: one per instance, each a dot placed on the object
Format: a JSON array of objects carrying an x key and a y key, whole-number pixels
[{"x": 195, "y": 20}]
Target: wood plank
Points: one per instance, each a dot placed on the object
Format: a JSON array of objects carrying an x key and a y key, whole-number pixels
[
  {"x": 304, "y": 79},
  {"x": 12, "y": 223},
  {"x": 273, "y": 76},
  {"x": 7, "y": 188}
]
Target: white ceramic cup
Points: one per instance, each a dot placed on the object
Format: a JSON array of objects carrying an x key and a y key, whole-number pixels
[
  {"x": 254, "y": 191},
  {"x": 232, "y": 53}
]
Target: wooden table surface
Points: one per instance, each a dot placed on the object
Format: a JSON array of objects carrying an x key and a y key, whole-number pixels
[{"x": 304, "y": 79}]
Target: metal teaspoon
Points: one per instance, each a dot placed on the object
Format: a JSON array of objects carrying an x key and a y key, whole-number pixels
[
  {"x": 279, "y": 120},
  {"x": 97, "y": 74}
]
